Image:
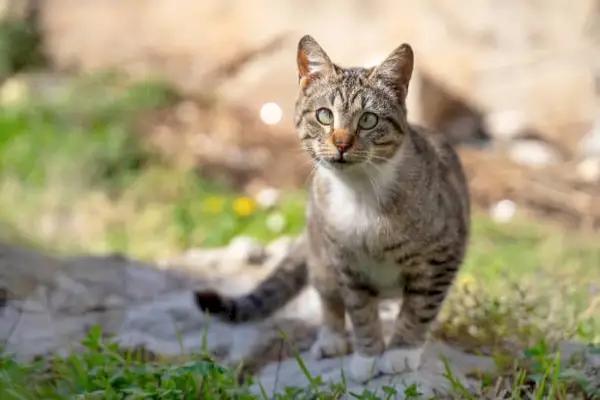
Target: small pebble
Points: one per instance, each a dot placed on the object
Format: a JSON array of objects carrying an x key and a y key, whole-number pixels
[
  {"x": 267, "y": 197},
  {"x": 503, "y": 211}
]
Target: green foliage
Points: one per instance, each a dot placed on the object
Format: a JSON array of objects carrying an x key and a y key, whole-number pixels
[
  {"x": 19, "y": 47},
  {"x": 104, "y": 371}
]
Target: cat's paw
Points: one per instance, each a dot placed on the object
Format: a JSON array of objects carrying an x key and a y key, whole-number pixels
[
  {"x": 395, "y": 361},
  {"x": 329, "y": 344},
  {"x": 362, "y": 368}
]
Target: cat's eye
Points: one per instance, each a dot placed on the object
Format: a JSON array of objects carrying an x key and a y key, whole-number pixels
[
  {"x": 324, "y": 116},
  {"x": 368, "y": 121}
]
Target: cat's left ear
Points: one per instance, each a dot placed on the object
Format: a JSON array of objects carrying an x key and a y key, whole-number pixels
[
  {"x": 396, "y": 70},
  {"x": 312, "y": 60}
]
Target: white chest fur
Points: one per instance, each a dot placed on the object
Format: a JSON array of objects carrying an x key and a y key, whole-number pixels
[
  {"x": 354, "y": 199},
  {"x": 353, "y": 211}
]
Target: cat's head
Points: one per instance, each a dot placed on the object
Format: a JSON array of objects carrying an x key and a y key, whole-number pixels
[{"x": 347, "y": 117}]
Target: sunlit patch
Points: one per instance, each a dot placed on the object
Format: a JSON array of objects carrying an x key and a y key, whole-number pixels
[
  {"x": 267, "y": 197},
  {"x": 276, "y": 222},
  {"x": 271, "y": 113},
  {"x": 503, "y": 211}
]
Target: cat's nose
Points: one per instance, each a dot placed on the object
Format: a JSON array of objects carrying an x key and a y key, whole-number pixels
[{"x": 342, "y": 141}]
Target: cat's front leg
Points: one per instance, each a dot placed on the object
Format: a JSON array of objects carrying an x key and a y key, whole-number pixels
[
  {"x": 362, "y": 306},
  {"x": 423, "y": 295},
  {"x": 332, "y": 340}
]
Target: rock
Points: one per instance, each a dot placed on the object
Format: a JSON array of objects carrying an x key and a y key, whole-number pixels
[
  {"x": 280, "y": 246},
  {"x": 247, "y": 250},
  {"x": 267, "y": 197},
  {"x": 505, "y": 125},
  {"x": 157, "y": 325},
  {"x": 590, "y": 143},
  {"x": 535, "y": 153},
  {"x": 588, "y": 170},
  {"x": 240, "y": 253},
  {"x": 503, "y": 211},
  {"x": 429, "y": 379},
  {"x": 153, "y": 309},
  {"x": 23, "y": 270}
]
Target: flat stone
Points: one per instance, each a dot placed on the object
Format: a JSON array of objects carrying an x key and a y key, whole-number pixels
[
  {"x": 172, "y": 324},
  {"x": 429, "y": 379},
  {"x": 145, "y": 282},
  {"x": 34, "y": 333},
  {"x": 154, "y": 308},
  {"x": 9, "y": 318},
  {"x": 246, "y": 249}
]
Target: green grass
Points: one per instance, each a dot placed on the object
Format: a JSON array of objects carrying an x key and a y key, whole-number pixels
[
  {"x": 105, "y": 371},
  {"x": 74, "y": 168},
  {"x": 74, "y": 179}
]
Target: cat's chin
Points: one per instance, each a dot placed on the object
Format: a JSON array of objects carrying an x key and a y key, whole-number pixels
[{"x": 342, "y": 166}]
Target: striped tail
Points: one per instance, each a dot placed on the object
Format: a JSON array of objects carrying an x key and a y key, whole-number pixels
[{"x": 281, "y": 286}]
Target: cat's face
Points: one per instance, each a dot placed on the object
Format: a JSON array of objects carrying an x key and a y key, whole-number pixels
[{"x": 347, "y": 117}]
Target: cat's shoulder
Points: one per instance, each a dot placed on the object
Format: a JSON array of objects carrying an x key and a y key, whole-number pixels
[
  {"x": 442, "y": 147},
  {"x": 435, "y": 138}
]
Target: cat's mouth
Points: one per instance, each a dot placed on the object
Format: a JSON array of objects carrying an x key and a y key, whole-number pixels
[
  {"x": 338, "y": 161},
  {"x": 335, "y": 160}
]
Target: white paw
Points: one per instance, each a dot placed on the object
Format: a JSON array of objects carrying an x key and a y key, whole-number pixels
[
  {"x": 362, "y": 368},
  {"x": 394, "y": 361},
  {"x": 329, "y": 344}
]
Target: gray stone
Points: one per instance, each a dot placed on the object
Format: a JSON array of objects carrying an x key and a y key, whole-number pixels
[
  {"x": 429, "y": 379},
  {"x": 246, "y": 249},
  {"x": 154, "y": 308},
  {"x": 9, "y": 318},
  {"x": 280, "y": 247},
  {"x": 535, "y": 153}
]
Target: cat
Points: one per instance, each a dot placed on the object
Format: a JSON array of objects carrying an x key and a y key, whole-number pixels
[{"x": 388, "y": 216}]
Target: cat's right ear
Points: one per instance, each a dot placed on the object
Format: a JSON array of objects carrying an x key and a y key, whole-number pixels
[{"x": 312, "y": 61}]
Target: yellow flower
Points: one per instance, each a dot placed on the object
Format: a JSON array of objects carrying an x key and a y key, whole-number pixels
[
  {"x": 467, "y": 282},
  {"x": 244, "y": 206},
  {"x": 213, "y": 204}
]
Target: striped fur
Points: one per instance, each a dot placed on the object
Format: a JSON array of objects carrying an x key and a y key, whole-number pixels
[
  {"x": 285, "y": 282},
  {"x": 388, "y": 214}
]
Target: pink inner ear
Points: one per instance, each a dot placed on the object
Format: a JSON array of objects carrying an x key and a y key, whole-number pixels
[
  {"x": 303, "y": 63},
  {"x": 306, "y": 80}
]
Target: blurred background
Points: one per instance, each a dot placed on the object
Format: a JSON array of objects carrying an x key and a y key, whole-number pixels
[
  {"x": 150, "y": 127},
  {"x": 120, "y": 118}
]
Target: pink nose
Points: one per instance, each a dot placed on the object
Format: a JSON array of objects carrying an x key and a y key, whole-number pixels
[{"x": 343, "y": 142}]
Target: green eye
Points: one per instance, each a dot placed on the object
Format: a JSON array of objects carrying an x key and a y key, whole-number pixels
[
  {"x": 324, "y": 116},
  {"x": 368, "y": 121}
]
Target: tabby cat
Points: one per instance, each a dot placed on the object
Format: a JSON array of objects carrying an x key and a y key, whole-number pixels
[{"x": 388, "y": 216}]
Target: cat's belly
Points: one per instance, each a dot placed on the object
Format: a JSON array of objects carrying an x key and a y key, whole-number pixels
[{"x": 385, "y": 278}]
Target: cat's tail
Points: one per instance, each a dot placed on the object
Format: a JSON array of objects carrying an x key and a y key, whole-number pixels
[{"x": 281, "y": 286}]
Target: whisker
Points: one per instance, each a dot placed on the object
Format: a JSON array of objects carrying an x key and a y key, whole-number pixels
[{"x": 374, "y": 184}]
